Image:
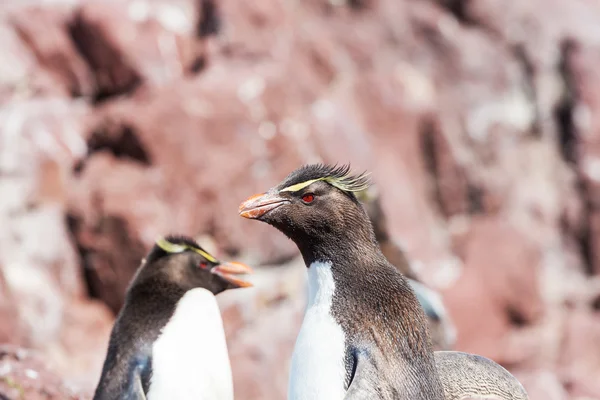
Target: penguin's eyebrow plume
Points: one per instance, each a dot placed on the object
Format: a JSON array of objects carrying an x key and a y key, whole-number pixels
[
  {"x": 178, "y": 244},
  {"x": 182, "y": 240},
  {"x": 337, "y": 176}
]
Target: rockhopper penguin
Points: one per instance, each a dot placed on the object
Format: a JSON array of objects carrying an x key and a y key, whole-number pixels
[
  {"x": 168, "y": 340},
  {"x": 364, "y": 334}
]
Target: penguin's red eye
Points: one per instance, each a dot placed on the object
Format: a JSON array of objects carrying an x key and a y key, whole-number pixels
[
  {"x": 203, "y": 265},
  {"x": 308, "y": 198}
]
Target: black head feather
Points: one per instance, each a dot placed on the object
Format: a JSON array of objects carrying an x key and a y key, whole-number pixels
[
  {"x": 338, "y": 176},
  {"x": 181, "y": 239}
]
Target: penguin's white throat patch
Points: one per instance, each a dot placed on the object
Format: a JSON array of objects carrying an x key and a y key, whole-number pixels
[{"x": 318, "y": 368}]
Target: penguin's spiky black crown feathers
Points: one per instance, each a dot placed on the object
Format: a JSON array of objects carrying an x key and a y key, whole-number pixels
[
  {"x": 172, "y": 244},
  {"x": 181, "y": 239},
  {"x": 337, "y": 176}
]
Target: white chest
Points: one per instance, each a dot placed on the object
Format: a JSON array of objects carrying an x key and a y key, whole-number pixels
[
  {"x": 190, "y": 358},
  {"x": 317, "y": 370}
]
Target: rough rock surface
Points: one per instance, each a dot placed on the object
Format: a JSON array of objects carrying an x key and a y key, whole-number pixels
[
  {"x": 123, "y": 120},
  {"x": 24, "y": 375}
]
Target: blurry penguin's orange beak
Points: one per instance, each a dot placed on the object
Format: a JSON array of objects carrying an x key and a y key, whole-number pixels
[
  {"x": 227, "y": 270},
  {"x": 258, "y": 205}
]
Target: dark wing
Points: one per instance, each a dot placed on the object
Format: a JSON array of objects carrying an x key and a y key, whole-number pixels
[
  {"x": 125, "y": 378},
  {"x": 136, "y": 389},
  {"x": 363, "y": 384},
  {"x": 139, "y": 378},
  {"x": 376, "y": 378}
]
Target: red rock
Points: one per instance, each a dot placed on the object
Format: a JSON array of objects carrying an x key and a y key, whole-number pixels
[
  {"x": 22, "y": 78},
  {"x": 78, "y": 356},
  {"x": 41, "y": 276},
  {"x": 134, "y": 42},
  {"x": 111, "y": 251},
  {"x": 478, "y": 124},
  {"x": 451, "y": 184},
  {"x": 23, "y": 375},
  {"x": 45, "y": 33},
  {"x": 542, "y": 384},
  {"x": 579, "y": 364},
  {"x": 499, "y": 283},
  {"x": 9, "y": 329},
  {"x": 583, "y": 138}
]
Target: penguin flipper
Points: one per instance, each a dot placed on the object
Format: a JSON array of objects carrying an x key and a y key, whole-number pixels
[
  {"x": 466, "y": 375},
  {"x": 361, "y": 387},
  {"x": 136, "y": 391}
]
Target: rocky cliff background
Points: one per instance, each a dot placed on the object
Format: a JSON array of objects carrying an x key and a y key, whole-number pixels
[{"x": 124, "y": 120}]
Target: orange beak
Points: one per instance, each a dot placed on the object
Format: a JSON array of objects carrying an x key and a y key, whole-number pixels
[
  {"x": 227, "y": 270},
  {"x": 258, "y": 205}
]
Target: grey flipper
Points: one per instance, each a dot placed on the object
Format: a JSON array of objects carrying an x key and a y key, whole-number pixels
[
  {"x": 469, "y": 376},
  {"x": 361, "y": 388},
  {"x": 136, "y": 392},
  {"x": 375, "y": 378},
  {"x": 125, "y": 376},
  {"x": 441, "y": 328},
  {"x": 366, "y": 382}
]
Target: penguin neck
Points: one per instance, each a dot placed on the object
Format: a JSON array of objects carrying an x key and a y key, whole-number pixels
[{"x": 355, "y": 245}]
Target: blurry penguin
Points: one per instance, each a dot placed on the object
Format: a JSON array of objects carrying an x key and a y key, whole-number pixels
[{"x": 168, "y": 340}]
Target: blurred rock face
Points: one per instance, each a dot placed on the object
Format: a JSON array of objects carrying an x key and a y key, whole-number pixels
[
  {"x": 124, "y": 120},
  {"x": 24, "y": 375}
]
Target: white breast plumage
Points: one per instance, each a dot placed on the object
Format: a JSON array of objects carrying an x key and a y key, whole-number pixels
[
  {"x": 317, "y": 370},
  {"x": 190, "y": 358}
]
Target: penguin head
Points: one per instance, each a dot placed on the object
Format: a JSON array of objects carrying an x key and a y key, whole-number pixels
[
  {"x": 313, "y": 203},
  {"x": 181, "y": 260}
]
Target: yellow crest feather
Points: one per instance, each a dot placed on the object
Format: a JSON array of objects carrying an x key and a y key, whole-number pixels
[
  {"x": 337, "y": 176},
  {"x": 173, "y": 248},
  {"x": 299, "y": 186}
]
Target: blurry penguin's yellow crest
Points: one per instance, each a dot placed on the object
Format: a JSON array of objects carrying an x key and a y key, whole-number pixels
[{"x": 178, "y": 248}]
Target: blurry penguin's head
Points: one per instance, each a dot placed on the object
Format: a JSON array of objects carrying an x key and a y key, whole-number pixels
[{"x": 182, "y": 261}]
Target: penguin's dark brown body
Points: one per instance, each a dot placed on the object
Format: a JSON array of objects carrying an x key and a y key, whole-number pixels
[{"x": 364, "y": 334}]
